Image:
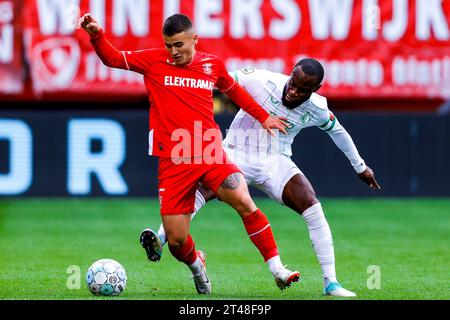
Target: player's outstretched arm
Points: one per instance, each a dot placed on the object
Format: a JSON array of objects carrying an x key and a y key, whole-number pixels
[
  {"x": 369, "y": 177},
  {"x": 109, "y": 55},
  {"x": 345, "y": 143}
]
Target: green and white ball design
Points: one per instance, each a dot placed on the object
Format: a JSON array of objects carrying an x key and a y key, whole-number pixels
[{"x": 106, "y": 277}]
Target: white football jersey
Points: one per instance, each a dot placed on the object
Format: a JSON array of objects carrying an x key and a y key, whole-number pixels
[{"x": 247, "y": 134}]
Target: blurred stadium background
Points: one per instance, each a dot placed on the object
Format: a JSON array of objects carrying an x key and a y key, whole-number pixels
[{"x": 73, "y": 128}]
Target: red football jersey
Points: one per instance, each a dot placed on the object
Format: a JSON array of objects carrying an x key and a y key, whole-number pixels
[{"x": 181, "y": 97}]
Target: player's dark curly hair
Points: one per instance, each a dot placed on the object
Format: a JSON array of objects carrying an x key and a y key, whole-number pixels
[
  {"x": 312, "y": 67},
  {"x": 176, "y": 23}
]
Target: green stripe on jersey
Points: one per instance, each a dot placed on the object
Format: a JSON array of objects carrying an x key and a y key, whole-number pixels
[
  {"x": 324, "y": 125},
  {"x": 235, "y": 76},
  {"x": 327, "y": 126}
]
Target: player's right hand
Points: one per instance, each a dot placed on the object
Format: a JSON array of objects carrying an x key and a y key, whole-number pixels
[
  {"x": 275, "y": 122},
  {"x": 369, "y": 177},
  {"x": 89, "y": 24}
]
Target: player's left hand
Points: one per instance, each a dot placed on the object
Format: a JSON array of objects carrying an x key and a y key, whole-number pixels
[
  {"x": 275, "y": 122},
  {"x": 369, "y": 177}
]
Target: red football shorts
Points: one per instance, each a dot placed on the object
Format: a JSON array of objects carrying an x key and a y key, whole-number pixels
[{"x": 177, "y": 183}]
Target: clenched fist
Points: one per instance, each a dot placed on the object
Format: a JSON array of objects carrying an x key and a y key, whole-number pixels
[{"x": 89, "y": 24}]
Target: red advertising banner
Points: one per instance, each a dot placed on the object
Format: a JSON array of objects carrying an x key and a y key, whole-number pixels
[
  {"x": 11, "y": 67},
  {"x": 369, "y": 48}
]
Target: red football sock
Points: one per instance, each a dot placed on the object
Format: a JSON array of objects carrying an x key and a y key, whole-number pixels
[
  {"x": 186, "y": 253},
  {"x": 259, "y": 231}
]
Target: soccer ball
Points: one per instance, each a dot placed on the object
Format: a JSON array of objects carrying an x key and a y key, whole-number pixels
[{"x": 106, "y": 277}]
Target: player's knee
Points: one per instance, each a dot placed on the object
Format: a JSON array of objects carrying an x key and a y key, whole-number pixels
[
  {"x": 304, "y": 201},
  {"x": 309, "y": 202},
  {"x": 176, "y": 241},
  {"x": 243, "y": 203},
  {"x": 301, "y": 201}
]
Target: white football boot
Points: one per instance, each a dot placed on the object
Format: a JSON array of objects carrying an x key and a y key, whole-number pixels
[
  {"x": 284, "y": 277},
  {"x": 201, "y": 280}
]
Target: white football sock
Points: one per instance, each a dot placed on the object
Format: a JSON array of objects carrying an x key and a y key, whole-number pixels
[
  {"x": 196, "y": 267},
  {"x": 322, "y": 241},
  {"x": 162, "y": 234},
  {"x": 199, "y": 203},
  {"x": 274, "y": 264}
]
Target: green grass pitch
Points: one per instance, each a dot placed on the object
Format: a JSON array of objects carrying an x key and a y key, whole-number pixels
[{"x": 407, "y": 240}]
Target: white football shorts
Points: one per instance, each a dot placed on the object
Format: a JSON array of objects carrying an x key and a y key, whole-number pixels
[{"x": 270, "y": 174}]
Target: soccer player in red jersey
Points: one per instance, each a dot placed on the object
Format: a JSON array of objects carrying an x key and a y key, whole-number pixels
[{"x": 180, "y": 81}]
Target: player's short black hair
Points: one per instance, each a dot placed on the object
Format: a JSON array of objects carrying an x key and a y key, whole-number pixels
[
  {"x": 176, "y": 23},
  {"x": 312, "y": 67}
]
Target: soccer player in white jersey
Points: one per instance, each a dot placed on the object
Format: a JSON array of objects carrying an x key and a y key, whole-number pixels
[{"x": 265, "y": 160}]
